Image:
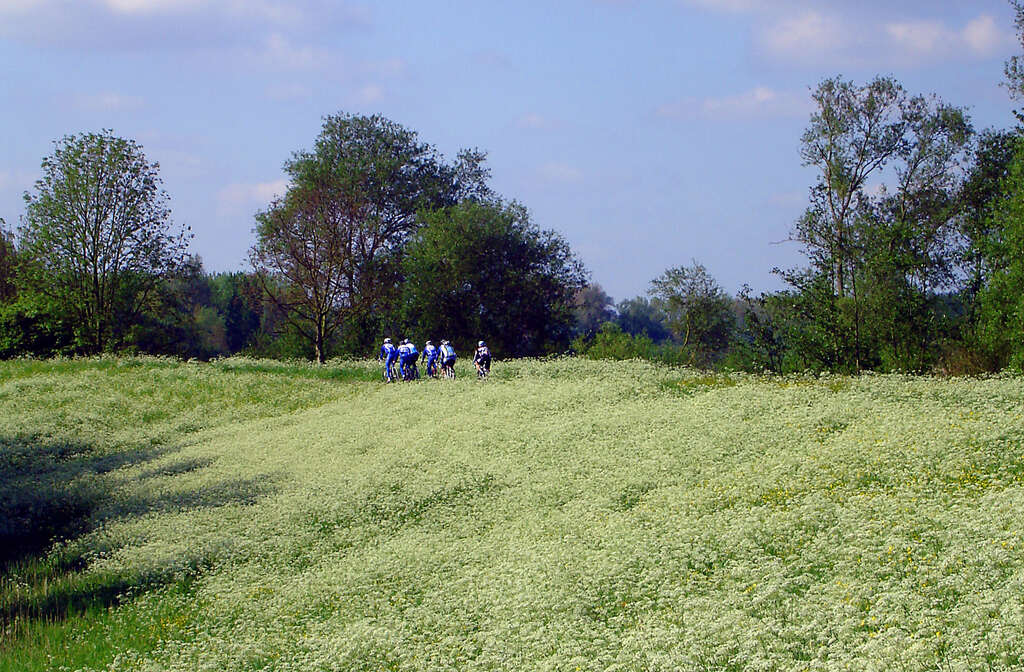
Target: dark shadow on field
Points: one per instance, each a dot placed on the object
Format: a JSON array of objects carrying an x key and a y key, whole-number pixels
[{"x": 51, "y": 492}]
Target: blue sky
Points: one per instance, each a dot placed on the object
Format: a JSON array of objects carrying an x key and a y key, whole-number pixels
[{"x": 650, "y": 133}]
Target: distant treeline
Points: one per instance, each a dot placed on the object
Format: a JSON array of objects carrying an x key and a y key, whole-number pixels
[{"x": 913, "y": 236}]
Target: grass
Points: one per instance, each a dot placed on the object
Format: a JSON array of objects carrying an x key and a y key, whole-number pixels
[{"x": 565, "y": 514}]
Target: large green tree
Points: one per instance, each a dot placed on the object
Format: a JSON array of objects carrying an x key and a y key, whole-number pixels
[
  {"x": 484, "y": 271},
  {"x": 698, "y": 311},
  {"x": 328, "y": 252},
  {"x": 1001, "y": 300},
  {"x": 886, "y": 247},
  {"x": 97, "y": 236}
]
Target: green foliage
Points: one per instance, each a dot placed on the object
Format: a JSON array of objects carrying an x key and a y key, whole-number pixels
[
  {"x": 8, "y": 266},
  {"x": 96, "y": 236},
  {"x": 328, "y": 251},
  {"x": 638, "y": 316},
  {"x": 698, "y": 311},
  {"x": 879, "y": 261},
  {"x": 31, "y": 325},
  {"x": 593, "y": 307},
  {"x": 1001, "y": 300},
  {"x": 485, "y": 271},
  {"x": 611, "y": 342}
]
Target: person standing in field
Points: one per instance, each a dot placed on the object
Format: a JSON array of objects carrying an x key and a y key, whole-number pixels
[
  {"x": 430, "y": 354},
  {"x": 388, "y": 354},
  {"x": 482, "y": 359}
]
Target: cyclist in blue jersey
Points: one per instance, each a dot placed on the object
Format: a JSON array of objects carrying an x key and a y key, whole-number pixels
[
  {"x": 447, "y": 357},
  {"x": 430, "y": 353},
  {"x": 403, "y": 357},
  {"x": 409, "y": 361},
  {"x": 388, "y": 354}
]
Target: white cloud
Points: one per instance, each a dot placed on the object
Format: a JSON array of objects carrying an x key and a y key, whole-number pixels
[
  {"x": 278, "y": 52},
  {"x": 536, "y": 122},
  {"x": 806, "y": 34},
  {"x": 821, "y": 38},
  {"x": 559, "y": 172},
  {"x": 727, "y": 5},
  {"x": 370, "y": 93},
  {"x": 934, "y": 40},
  {"x": 176, "y": 24},
  {"x": 151, "y": 6},
  {"x": 984, "y": 36},
  {"x": 109, "y": 102},
  {"x": 237, "y": 198},
  {"x": 758, "y": 103},
  {"x": 13, "y": 6}
]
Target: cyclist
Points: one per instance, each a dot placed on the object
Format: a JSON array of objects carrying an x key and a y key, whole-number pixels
[
  {"x": 388, "y": 354},
  {"x": 482, "y": 359},
  {"x": 448, "y": 360},
  {"x": 430, "y": 353},
  {"x": 411, "y": 355},
  {"x": 403, "y": 358}
]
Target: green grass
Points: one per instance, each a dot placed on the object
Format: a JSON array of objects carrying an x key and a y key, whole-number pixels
[{"x": 253, "y": 515}]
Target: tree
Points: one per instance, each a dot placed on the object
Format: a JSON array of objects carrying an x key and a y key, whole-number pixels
[
  {"x": 699, "y": 311},
  {"x": 8, "y": 257},
  {"x": 328, "y": 252},
  {"x": 593, "y": 307},
  {"x": 1001, "y": 319},
  {"x": 854, "y": 133},
  {"x": 238, "y": 297},
  {"x": 992, "y": 156},
  {"x": 484, "y": 270},
  {"x": 639, "y": 317},
  {"x": 1014, "y": 67},
  {"x": 883, "y": 252},
  {"x": 97, "y": 235}
]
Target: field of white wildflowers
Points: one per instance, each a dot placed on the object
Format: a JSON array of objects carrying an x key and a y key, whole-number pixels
[{"x": 563, "y": 515}]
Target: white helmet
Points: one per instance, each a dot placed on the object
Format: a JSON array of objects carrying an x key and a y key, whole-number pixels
[
  {"x": 429, "y": 342},
  {"x": 480, "y": 344},
  {"x": 387, "y": 340}
]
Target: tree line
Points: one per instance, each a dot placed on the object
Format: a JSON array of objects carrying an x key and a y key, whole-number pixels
[
  {"x": 914, "y": 241},
  {"x": 376, "y": 233},
  {"x": 913, "y": 238}
]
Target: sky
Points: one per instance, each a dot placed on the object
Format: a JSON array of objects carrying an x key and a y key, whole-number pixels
[{"x": 649, "y": 133}]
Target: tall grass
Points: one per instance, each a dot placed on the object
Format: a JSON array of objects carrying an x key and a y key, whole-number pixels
[{"x": 567, "y": 514}]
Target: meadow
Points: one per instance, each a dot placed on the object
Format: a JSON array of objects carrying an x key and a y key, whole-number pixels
[{"x": 562, "y": 515}]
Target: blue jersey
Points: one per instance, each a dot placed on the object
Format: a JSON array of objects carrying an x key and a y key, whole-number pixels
[
  {"x": 388, "y": 352},
  {"x": 430, "y": 352},
  {"x": 447, "y": 351}
]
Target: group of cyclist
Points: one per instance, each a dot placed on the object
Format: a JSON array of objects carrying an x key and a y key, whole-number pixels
[{"x": 400, "y": 361}]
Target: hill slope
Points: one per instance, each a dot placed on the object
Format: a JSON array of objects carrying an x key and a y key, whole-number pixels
[{"x": 562, "y": 515}]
